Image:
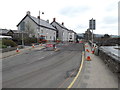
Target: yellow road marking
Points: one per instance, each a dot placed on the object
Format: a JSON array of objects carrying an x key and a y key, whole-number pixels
[
  {"x": 77, "y": 73},
  {"x": 67, "y": 79}
]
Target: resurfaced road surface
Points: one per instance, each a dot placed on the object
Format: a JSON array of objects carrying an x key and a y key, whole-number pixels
[{"x": 42, "y": 68}]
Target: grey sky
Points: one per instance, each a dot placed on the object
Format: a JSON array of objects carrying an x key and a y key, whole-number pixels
[{"x": 74, "y": 13}]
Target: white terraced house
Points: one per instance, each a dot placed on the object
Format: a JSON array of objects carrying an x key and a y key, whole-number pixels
[
  {"x": 72, "y": 36},
  {"x": 37, "y": 27},
  {"x": 63, "y": 33}
]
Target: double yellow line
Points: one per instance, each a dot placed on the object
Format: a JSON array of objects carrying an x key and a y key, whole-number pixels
[{"x": 72, "y": 83}]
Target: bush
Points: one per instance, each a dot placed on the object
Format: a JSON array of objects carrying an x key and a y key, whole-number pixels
[
  {"x": 17, "y": 41},
  {"x": 30, "y": 40},
  {"x": 6, "y": 42}
]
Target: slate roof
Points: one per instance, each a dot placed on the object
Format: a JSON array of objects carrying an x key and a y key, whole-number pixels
[
  {"x": 62, "y": 26},
  {"x": 15, "y": 31},
  {"x": 43, "y": 23},
  {"x": 5, "y": 31},
  {"x": 72, "y": 31}
]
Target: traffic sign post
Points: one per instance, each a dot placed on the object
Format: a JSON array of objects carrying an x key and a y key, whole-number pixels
[{"x": 92, "y": 24}]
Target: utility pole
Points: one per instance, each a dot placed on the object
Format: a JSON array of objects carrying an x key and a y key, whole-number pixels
[
  {"x": 39, "y": 27},
  {"x": 22, "y": 30},
  {"x": 22, "y": 39}
]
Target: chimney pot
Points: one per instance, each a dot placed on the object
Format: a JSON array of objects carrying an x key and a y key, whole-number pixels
[
  {"x": 28, "y": 12},
  {"x": 62, "y": 23},
  {"x": 38, "y": 17},
  {"x": 54, "y": 19},
  {"x": 47, "y": 21}
]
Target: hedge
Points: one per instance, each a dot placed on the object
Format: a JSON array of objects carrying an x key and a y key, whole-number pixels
[{"x": 6, "y": 42}]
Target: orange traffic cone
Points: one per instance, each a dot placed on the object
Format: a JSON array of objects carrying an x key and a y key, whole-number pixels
[
  {"x": 92, "y": 52},
  {"x": 87, "y": 50},
  {"x": 88, "y": 58},
  {"x": 33, "y": 45},
  {"x": 17, "y": 50}
]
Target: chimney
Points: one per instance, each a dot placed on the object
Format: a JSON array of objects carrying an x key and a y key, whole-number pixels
[
  {"x": 38, "y": 17},
  {"x": 63, "y": 23},
  {"x": 47, "y": 21},
  {"x": 28, "y": 12},
  {"x": 54, "y": 19}
]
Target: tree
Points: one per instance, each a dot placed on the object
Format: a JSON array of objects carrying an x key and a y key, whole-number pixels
[
  {"x": 29, "y": 29},
  {"x": 106, "y": 36}
]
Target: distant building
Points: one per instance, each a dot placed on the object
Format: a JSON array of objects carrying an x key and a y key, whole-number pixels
[
  {"x": 81, "y": 35},
  {"x": 37, "y": 27},
  {"x": 72, "y": 36},
  {"x": 4, "y": 32},
  {"x": 13, "y": 33},
  {"x": 88, "y": 35}
]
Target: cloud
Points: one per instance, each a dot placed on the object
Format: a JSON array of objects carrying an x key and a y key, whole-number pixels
[
  {"x": 112, "y": 6},
  {"x": 109, "y": 27},
  {"x": 72, "y": 11},
  {"x": 110, "y": 20}
]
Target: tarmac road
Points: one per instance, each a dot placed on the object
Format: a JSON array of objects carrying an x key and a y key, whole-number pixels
[{"x": 42, "y": 68}]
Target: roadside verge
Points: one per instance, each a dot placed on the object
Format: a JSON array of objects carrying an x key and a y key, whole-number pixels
[{"x": 13, "y": 53}]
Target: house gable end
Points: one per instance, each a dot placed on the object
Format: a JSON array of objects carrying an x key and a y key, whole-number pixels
[{"x": 22, "y": 20}]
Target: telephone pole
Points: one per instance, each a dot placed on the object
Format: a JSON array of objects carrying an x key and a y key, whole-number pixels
[{"x": 39, "y": 27}]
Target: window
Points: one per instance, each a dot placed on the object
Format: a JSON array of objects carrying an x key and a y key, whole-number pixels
[
  {"x": 41, "y": 31},
  {"x": 50, "y": 37},
  {"x": 70, "y": 36},
  {"x": 22, "y": 26}
]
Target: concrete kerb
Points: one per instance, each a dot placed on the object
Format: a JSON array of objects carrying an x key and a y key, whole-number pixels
[{"x": 12, "y": 53}]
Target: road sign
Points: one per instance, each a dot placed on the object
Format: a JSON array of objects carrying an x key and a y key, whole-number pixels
[{"x": 92, "y": 24}]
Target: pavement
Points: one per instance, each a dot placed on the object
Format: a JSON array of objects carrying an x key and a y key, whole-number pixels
[
  {"x": 95, "y": 74},
  {"x": 25, "y": 49}
]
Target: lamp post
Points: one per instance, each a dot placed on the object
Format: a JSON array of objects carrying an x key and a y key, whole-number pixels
[
  {"x": 22, "y": 34},
  {"x": 22, "y": 39},
  {"x": 39, "y": 27}
]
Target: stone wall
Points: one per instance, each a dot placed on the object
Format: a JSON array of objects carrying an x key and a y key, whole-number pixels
[{"x": 110, "y": 61}]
